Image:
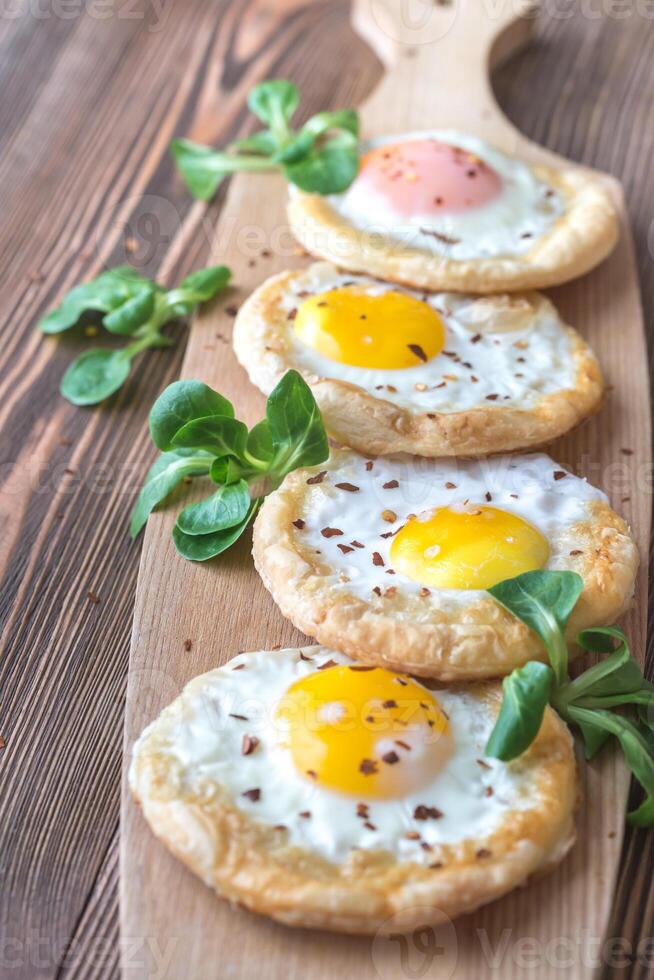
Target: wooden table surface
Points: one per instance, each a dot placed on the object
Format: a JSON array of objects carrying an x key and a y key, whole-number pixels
[{"x": 91, "y": 94}]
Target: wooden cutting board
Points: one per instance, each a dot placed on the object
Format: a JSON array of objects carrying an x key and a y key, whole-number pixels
[{"x": 438, "y": 56}]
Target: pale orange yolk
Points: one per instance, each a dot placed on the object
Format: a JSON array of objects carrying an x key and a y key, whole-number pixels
[
  {"x": 471, "y": 548},
  {"x": 390, "y": 330},
  {"x": 424, "y": 177},
  {"x": 364, "y": 731}
]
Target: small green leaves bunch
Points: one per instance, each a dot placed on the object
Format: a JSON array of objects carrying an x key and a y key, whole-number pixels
[
  {"x": 133, "y": 306},
  {"x": 544, "y": 601},
  {"x": 196, "y": 430},
  {"x": 322, "y": 157}
]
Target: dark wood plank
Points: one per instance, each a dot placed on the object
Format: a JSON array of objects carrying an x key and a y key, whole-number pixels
[{"x": 88, "y": 107}]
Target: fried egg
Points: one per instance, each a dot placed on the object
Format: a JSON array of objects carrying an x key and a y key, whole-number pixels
[
  {"x": 389, "y": 560},
  {"x": 439, "y": 374},
  {"x": 445, "y": 210},
  {"x": 320, "y": 792}
]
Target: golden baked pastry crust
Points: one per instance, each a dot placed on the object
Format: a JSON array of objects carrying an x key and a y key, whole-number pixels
[
  {"x": 373, "y": 424},
  {"x": 252, "y": 865},
  {"x": 409, "y": 632},
  {"x": 576, "y": 243}
]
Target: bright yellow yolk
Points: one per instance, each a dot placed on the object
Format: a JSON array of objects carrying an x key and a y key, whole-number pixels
[
  {"x": 387, "y": 331},
  {"x": 364, "y": 731},
  {"x": 471, "y": 548}
]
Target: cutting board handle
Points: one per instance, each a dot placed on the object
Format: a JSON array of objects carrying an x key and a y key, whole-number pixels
[{"x": 454, "y": 44}]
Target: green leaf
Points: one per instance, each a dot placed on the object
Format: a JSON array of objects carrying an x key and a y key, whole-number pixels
[
  {"x": 105, "y": 293},
  {"x": 227, "y": 507},
  {"x": 329, "y": 169},
  {"x": 94, "y": 375},
  {"x": 127, "y": 318},
  {"x": 347, "y": 119},
  {"x": 295, "y": 149},
  {"x": 526, "y": 693},
  {"x": 262, "y": 142},
  {"x": 260, "y": 443},
  {"x": 617, "y": 675},
  {"x": 274, "y": 101},
  {"x": 544, "y": 601},
  {"x": 201, "y": 547},
  {"x": 295, "y": 424},
  {"x": 163, "y": 476},
  {"x": 228, "y": 469},
  {"x": 178, "y": 404},
  {"x": 202, "y": 167},
  {"x": 217, "y": 434},
  {"x": 636, "y": 752},
  {"x": 203, "y": 285}
]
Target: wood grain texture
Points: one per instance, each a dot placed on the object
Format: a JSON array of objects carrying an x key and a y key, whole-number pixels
[{"x": 87, "y": 108}]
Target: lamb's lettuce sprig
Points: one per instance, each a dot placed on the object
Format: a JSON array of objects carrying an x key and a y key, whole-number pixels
[
  {"x": 198, "y": 434},
  {"x": 544, "y": 600},
  {"x": 322, "y": 157}
]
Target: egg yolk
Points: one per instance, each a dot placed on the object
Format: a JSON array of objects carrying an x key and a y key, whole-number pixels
[
  {"x": 467, "y": 548},
  {"x": 364, "y": 731},
  {"x": 390, "y": 330},
  {"x": 425, "y": 177}
]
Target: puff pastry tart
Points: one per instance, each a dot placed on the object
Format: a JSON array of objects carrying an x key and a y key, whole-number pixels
[
  {"x": 306, "y": 788},
  {"x": 444, "y": 210},
  {"x": 389, "y": 560},
  {"x": 437, "y": 374}
]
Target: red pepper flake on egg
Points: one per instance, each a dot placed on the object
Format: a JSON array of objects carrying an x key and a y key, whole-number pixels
[
  {"x": 391, "y": 485},
  {"x": 368, "y": 767},
  {"x": 331, "y": 532},
  {"x": 318, "y": 478}
]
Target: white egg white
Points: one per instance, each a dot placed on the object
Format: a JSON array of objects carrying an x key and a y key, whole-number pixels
[
  {"x": 498, "y": 367},
  {"x": 473, "y": 794},
  {"x": 508, "y": 225},
  {"x": 532, "y": 486}
]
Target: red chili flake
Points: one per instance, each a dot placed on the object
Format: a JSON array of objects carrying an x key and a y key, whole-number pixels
[
  {"x": 403, "y": 745},
  {"x": 362, "y": 810},
  {"x": 357, "y": 544},
  {"x": 450, "y": 486},
  {"x": 318, "y": 478},
  {"x": 369, "y": 825},
  {"x": 436, "y": 864},
  {"x": 423, "y": 812},
  {"x": 369, "y": 465},
  {"x": 484, "y": 765},
  {"x": 292, "y": 313},
  {"x": 576, "y": 551},
  {"x": 527, "y": 234},
  {"x": 231, "y": 310},
  {"x": 299, "y": 524},
  {"x": 377, "y": 558},
  {"x": 252, "y": 794},
  {"x": 305, "y": 814},
  {"x": 391, "y": 485},
  {"x": 390, "y": 703},
  {"x": 475, "y": 339},
  {"x": 327, "y": 663},
  {"x": 474, "y": 379},
  {"x": 312, "y": 773},
  {"x": 388, "y": 534},
  {"x": 425, "y": 846},
  {"x": 368, "y": 767},
  {"x": 390, "y": 591},
  {"x": 303, "y": 656},
  {"x": 377, "y": 590},
  {"x": 559, "y": 474},
  {"x": 424, "y": 592},
  {"x": 331, "y": 532},
  {"x": 446, "y": 239},
  {"x": 483, "y": 852},
  {"x": 521, "y": 360},
  {"x": 361, "y": 667},
  {"x": 345, "y": 548},
  {"x": 412, "y": 835},
  {"x": 249, "y": 744},
  {"x": 390, "y": 758},
  {"x": 418, "y": 351},
  {"x": 350, "y": 487},
  {"x": 238, "y": 717},
  {"x": 488, "y": 791},
  {"x": 92, "y": 597},
  {"x": 238, "y": 666},
  {"x": 279, "y": 826},
  {"x": 492, "y": 398},
  {"x": 187, "y": 645}
]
